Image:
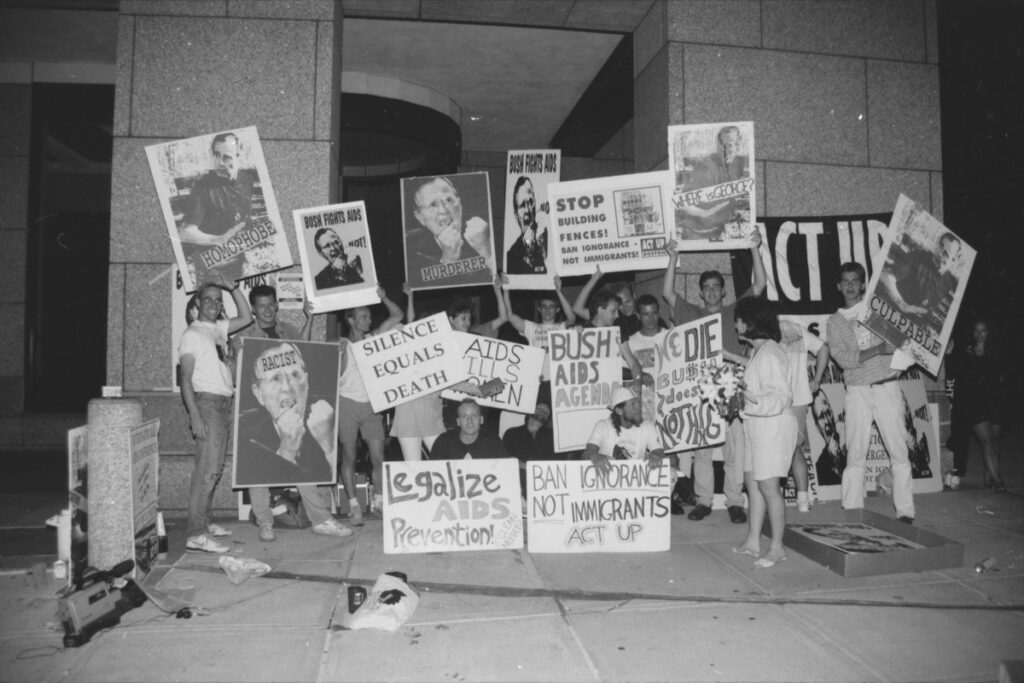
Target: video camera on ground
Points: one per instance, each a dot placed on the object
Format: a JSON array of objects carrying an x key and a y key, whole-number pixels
[{"x": 96, "y": 604}]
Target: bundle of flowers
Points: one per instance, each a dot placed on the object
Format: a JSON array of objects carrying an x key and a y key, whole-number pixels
[{"x": 722, "y": 386}]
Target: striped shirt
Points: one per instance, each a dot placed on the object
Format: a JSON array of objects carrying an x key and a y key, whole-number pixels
[{"x": 846, "y": 339}]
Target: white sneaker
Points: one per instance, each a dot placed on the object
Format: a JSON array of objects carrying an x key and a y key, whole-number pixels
[
  {"x": 331, "y": 527},
  {"x": 217, "y": 531},
  {"x": 803, "y": 506},
  {"x": 954, "y": 482},
  {"x": 205, "y": 544},
  {"x": 267, "y": 533}
]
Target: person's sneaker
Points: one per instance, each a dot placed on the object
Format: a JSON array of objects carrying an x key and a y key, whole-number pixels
[
  {"x": 906, "y": 520},
  {"x": 954, "y": 482},
  {"x": 737, "y": 515},
  {"x": 698, "y": 513},
  {"x": 267, "y": 533},
  {"x": 355, "y": 515},
  {"x": 217, "y": 531},
  {"x": 803, "y": 506},
  {"x": 331, "y": 527},
  {"x": 205, "y": 544}
]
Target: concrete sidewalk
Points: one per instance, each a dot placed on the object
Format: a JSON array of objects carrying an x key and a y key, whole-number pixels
[{"x": 695, "y": 613}]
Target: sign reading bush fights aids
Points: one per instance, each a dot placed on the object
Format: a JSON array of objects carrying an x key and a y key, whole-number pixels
[
  {"x": 585, "y": 370},
  {"x": 452, "y": 505}
]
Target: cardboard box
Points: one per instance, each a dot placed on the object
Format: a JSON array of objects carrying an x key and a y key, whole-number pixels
[{"x": 938, "y": 553}]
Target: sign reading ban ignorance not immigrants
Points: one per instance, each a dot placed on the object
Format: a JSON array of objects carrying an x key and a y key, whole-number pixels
[
  {"x": 573, "y": 508},
  {"x": 452, "y": 505}
]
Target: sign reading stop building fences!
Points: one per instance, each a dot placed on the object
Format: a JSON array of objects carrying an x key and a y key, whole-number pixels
[{"x": 452, "y": 505}]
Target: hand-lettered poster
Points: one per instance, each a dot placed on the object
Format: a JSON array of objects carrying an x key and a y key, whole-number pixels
[
  {"x": 527, "y": 249},
  {"x": 337, "y": 260},
  {"x": 518, "y": 366},
  {"x": 452, "y": 505},
  {"x": 218, "y": 206},
  {"x": 913, "y": 299},
  {"x": 572, "y": 507},
  {"x": 585, "y": 370},
  {"x": 145, "y": 466},
  {"x": 286, "y": 421},
  {"x": 449, "y": 233},
  {"x": 617, "y": 223},
  {"x": 401, "y": 364},
  {"x": 713, "y": 197}
]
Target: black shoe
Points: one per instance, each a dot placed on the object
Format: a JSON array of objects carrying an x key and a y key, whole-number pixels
[
  {"x": 737, "y": 515},
  {"x": 906, "y": 520},
  {"x": 698, "y": 513}
]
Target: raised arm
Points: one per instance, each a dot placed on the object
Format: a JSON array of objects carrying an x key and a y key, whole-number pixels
[
  {"x": 244, "y": 317},
  {"x": 579, "y": 307},
  {"x": 570, "y": 316},
  {"x": 760, "y": 276},
  {"x": 491, "y": 327},
  {"x": 516, "y": 320},
  {"x": 410, "y": 308},
  {"x": 668, "y": 283},
  {"x": 820, "y": 366},
  {"x": 306, "y": 333},
  {"x": 394, "y": 312}
]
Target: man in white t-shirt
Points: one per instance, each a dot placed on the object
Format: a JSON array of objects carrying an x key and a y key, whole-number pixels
[{"x": 623, "y": 435}]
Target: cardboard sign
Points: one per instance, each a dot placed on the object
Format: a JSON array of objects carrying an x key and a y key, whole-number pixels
[
  {"x": 517, "y": 365},
  {"x": 145, "y": 468},
  {"x": 573, "y": 508},
  {"x": 528, "y": 253},
  {"x": 78, "y": 503},
  {"x": 452, "y": 505},
  {"x": 585, "y": 370}
]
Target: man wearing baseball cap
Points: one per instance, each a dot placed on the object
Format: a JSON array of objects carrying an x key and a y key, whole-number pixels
[{"x": 624, "y": 435}]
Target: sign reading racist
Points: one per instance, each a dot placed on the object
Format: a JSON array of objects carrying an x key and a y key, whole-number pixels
[
  {"x": 528, "y": 216},
  {"x": 452, "y": 505},
  {"x": 572, "y": 507},
  {"x": 585, "y": 370},
  {"x": 517, "y": 365}
]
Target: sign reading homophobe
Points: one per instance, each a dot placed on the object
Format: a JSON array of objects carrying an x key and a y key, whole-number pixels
[
  {"x": 517, "y": 365},
  {"x": 618, "y": 223},
  {"x": 527, "y": 217},
  {"x": 574, "y": 508},
  {"x": 452, "y": 505},
  {"x": 585, "y": 370}
]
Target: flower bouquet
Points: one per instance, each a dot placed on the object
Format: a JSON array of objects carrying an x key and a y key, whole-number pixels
[{"x": 722, "y": 386}]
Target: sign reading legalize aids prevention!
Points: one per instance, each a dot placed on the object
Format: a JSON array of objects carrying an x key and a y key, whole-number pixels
[
  {"x": 684, "y": 352},
  {"x": 527, "y": 217},
  {"x": 337, "y": 261},
  {"x": 452, "y": 505},
  {"x": 574, "y": 508},
  {"x": 517, "y": 365},
  {"x": 618, "y": 223},
  {"x": 218, "y": 206},
  {"x": 585, "y": 370},
  {"x": 913, "y": 299},
  {"x": 402, "y": 364},
  {"x": 713, "y": 200}
]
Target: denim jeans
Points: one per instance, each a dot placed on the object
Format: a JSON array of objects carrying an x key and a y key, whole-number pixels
[
  {"x": 210, "y": 454},
  {"x": 313, "y": 500}
]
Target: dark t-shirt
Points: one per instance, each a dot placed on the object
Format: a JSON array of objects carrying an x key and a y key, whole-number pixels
[
  {"x": 521, "y": 444},
  {"x": 449, "y": 446},
  {"x": 218, "y": 204}
]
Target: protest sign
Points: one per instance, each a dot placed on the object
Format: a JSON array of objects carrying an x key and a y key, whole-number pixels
[
  {"x": 78, "y": 502},
  {"x": 337, "y": 259},
  {"x": 145, "y": 468},
  {"x": 452, "y": 505},
  {"x": 449, "y": 235},
  {"x": 585, "y": 370},
  {"x": 713, "y": 197},
  {"x": 402, "y": 364},
  {"x": 574, "y": 508},
  {"x": 218, "y": 206},
  {"x": 683, "y": 354},
  {"x": 913, "y": 299},
  {"x": 517, "y": 365},
  {"x": 527, "y": 217},
  {"x": 286, "y": 422},
  {"x": 618, "y": 223}
]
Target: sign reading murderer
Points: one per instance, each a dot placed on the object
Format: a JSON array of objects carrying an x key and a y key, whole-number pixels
[
  {"x": 572, "y": 507},
  {"x": 618, "y": 223},
  {"x": 218, "y": 206},
  {"x": 585, "y": 370},
  {"x": 713, "y": 200},
  {"x": 684, "y": 352},
  {"x": 452, "y": 505},
  {"x": 337, "y": 260},
  {"x": 449, "y": 237},
  {"x": 913, "y": 299},
  {"x": 404, "y": 363},
  {"x": 527, "y": 217},
  {"x": 517, "y": 365}
]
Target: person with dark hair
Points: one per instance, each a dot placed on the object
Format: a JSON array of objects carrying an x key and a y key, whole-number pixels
[
  {"x": 624, "y": 435},
  {"x": 340, "y": 269},
  {"x": 769, "y": 424},
  {"x": 548, "y": 308},
  {"x": 625, "y": 317},
  {"x": 220, "y": 204},
  {"x": 643, "y": 341},
  {"x": 533, "y": 440},
  {"x": 528, "y": 253},
  {"x": 872, "y": 396},
  {"x": 467, "y": 440}
]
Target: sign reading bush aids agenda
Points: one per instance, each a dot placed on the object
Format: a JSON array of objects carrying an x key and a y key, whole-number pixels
[
  {"x": 573, "y": 508},
  {"x": 517, "y": 365},
  {"x": 684, "y": 352},
  {"x": 402, "y": 364},
  {"x": 452, "y": 505},
  {"x": 617, "y": 222},
  {"x": 585, "y": 370}
]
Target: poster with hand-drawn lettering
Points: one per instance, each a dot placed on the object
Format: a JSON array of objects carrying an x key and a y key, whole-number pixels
[
  {"x": 574, "y": 508},
  {"x": 913, "y": 299},
  {"x": 219, "y": 206},
  {"x": 618, "y": 223},
  {"x": 337, "y": 260},
  {"x": 440, "y": 506},
  {"x": 585, "y": 370},
  {"x": 684, "y": 421},
  {"x": 145, "y": 469},
  {"x": 449, "y": 232},
  {"x": 518, "y": 366},
  {"x": 528, "y": 217},
  {"x": 713, "y": 197}
]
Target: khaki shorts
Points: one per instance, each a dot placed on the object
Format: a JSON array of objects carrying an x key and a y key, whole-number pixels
[{"x": 356, "y": 418}]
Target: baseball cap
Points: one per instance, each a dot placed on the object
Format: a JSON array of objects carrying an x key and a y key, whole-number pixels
[{"x": 620, "y": 395}]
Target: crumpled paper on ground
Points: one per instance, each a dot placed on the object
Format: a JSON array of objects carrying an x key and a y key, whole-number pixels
[
  {"x": 388, "y": 605},
  {"x": 239, "y": 569}
]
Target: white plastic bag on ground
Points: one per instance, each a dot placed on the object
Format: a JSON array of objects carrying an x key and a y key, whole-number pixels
[
  {"x": 239, "y": 569},
  {"x": 388, "y": 605}
]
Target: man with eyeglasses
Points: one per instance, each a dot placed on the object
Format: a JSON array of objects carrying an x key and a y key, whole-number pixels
[
  {"x": 340, "y": 270},
  {"x": 207, "y": 389},
  {"x": 527, "y": 254}
]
